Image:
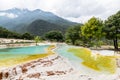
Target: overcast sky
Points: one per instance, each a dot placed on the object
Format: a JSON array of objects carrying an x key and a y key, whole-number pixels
[{"x": 74, "y": 10}]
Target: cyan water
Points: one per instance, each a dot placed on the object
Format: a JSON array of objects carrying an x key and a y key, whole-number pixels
[
  {"x": 62, "y": 50},
  {"x": 22, "y": 51}
]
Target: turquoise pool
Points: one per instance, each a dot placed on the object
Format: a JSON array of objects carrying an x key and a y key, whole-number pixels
[
  {"x": 62, "y": 50},
  {"x": 22, "y": 51},
  {"x": 25, "y": 50}
]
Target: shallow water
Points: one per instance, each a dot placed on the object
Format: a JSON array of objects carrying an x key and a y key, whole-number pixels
[
  {"x": 22, "y": 51},
  {"x": 75, "y": 60},
  {"x": 13, "y": 56},
  {"x": 63, "y": 51},
  {"x": 25, "y": 50},
  {"x": 104, "y": 52}
]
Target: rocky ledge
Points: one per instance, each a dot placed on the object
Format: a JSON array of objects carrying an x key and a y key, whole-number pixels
[{"x": 50, "y": 68}]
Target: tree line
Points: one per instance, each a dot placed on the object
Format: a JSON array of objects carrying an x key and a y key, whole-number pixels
[
  {"x": 4, "y": 33},
  {"x": 95, "y": 32}
]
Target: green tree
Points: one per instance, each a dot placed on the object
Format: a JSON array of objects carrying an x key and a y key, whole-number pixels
[
  {"x": 112, "y": 28},
  {"x": 54, "y": 36},
  {"x": 92, "y": 30},
  {"x": 73, "y": 35},
  {"x": 4, "y": 33},
  {"x": 27, "y": 36},
  {"x": 37, "y": 39}
]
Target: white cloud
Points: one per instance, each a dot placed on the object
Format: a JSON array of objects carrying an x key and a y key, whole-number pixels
[
  {"x": 74, "y": 10},
  {"x": 10, "y": 15}
]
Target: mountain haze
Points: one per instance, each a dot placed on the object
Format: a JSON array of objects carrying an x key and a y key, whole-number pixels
[{"x": 22, "y": 20}]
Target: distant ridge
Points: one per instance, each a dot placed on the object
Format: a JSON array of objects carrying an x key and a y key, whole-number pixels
[
  {"x": 39, "y": 27},
  {"x": 18, "y": 19}
]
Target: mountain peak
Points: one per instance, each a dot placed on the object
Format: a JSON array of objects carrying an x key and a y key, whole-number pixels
[
  {"x": 15, "y": 10},
  {"x": 17, "y": 17},
  {"x": 37, "y": 10}
]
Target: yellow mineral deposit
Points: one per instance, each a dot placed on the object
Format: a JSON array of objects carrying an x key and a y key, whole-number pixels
[
  {"x": 25, "y": 58},
  {"x": 97, "y": 62}
]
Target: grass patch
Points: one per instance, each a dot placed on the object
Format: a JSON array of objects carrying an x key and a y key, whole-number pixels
[{"x": 96, "y": 62}]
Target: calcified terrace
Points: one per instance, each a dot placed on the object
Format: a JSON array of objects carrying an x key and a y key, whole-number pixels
[{"x": 25, "y": 58}]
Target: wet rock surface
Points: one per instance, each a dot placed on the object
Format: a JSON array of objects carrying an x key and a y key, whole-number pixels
[
  {"x": 41, "y": 69},
  {"x": 53, "y": 67}
]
